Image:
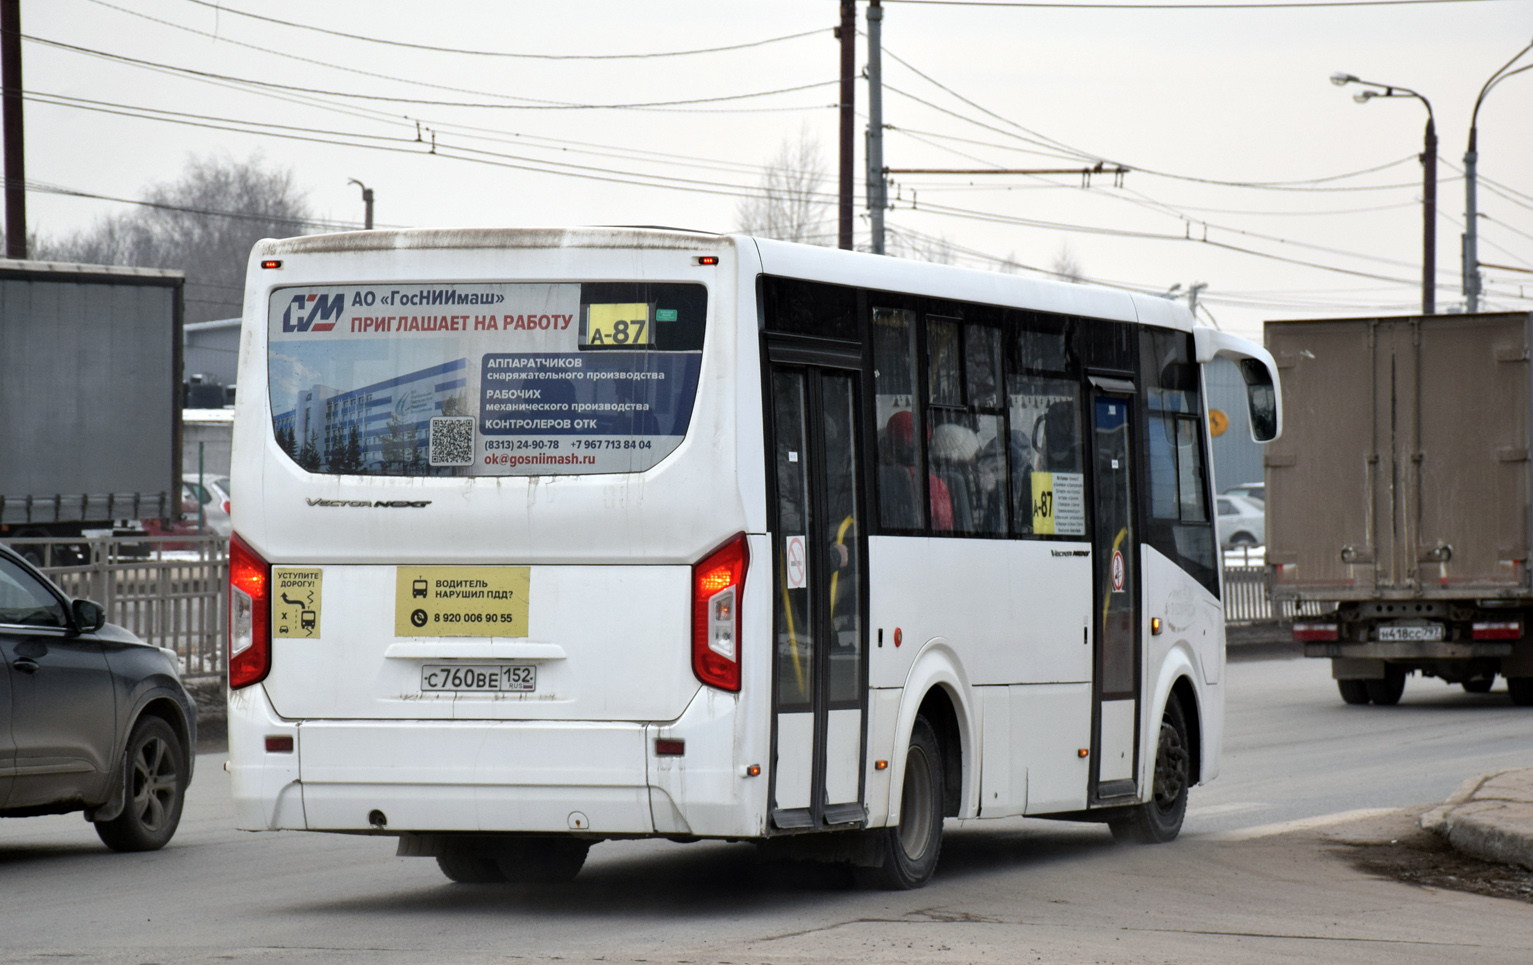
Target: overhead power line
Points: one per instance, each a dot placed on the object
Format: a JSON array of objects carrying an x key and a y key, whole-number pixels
[
  {"x": 1259, "y": 5},
  {"x": 414, "y": 100},
  {"x": 224, "y": 8}
]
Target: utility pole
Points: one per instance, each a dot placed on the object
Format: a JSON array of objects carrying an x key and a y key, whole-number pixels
[
  {"x": 1429, "y": 214},
  {"x": 848, "y": 36},
  {"x": 367, "y": 202},
  {"x": 878, "y": 191},
  {"x": 1471, "y": 253},
  {"x": 15, "y": 168}
]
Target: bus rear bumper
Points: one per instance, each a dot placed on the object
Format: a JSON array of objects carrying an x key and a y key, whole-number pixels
[{"x": 600, "y": 778}]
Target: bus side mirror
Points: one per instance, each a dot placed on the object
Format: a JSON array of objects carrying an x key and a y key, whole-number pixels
[{"x": 1264, "y": 394}]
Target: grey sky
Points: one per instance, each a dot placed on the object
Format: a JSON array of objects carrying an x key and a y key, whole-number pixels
[{"x": 1222, "y": 95}]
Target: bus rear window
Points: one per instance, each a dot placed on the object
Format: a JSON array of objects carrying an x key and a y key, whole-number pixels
[{"x": 474, "y": 379}]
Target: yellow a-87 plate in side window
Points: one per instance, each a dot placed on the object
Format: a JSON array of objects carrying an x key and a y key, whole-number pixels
[
  {"x": 616, "y": 325},
  {"x": 461, "y": 601}
]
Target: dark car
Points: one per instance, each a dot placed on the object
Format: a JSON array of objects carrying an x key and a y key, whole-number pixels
[{"x": 91, "y": 718}]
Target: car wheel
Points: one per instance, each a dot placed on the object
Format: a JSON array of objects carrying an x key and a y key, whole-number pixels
[
  {"x": 1386, "y": 692},
  {"x": 1521, "y": 689},
  {"x": 909, "y": 850},
  {"x": 1353, "y": 691},
  {"x": 543, "y": 860},
  {"x": 1160, "y": 818},
  {"x": 1244, "y": 540},
  {"x": 156, "y": 789},
  {"x": 1479, "y": 685}
]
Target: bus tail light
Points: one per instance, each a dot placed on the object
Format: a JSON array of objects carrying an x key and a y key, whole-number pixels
[
  {"x": 249, "y": 615},
  {"x": 1498, "y": 630},
  {"x": 1316, "y": 632},
  {"x": 717, "y": 585}
]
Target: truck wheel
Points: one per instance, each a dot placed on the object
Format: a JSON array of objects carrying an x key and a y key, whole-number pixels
[
  {"x": 1386, "y": 692},
  {"x": 1160, "y": 819},
  {"x": 1353, "y": 691},
  {"x": 910, "y": 849},
  {"x": 1479, "y": 685},
  {"x": 1521, "y": 689}
]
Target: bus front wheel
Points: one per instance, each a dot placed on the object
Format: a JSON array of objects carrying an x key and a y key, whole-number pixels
[
  {"x": 1160, "y": 818},
  {"x": 909, "y": 851}
]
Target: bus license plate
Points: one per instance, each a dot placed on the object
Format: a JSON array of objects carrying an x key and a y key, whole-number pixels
[
  {"x": 482, "y": 677},
  {"x": 1431, "y": 633}
]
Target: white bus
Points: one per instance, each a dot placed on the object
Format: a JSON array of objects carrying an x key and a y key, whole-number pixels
[{"x": 549, "y": 537}]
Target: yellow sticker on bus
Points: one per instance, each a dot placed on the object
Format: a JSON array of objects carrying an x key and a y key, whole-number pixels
[
  {"x": 609, "y": 325},
  {"x": 295, "y": 602},
  {"x": 461, "y": 601}
]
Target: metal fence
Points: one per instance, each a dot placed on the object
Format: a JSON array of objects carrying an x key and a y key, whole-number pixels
[{"x": 170, "y": 590}]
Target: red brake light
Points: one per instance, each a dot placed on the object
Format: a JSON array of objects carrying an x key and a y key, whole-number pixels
[
  {"x": 249, "y": 615},
  {"x": 1498, "y": 630},
  {"x": 271, "y": 263},
  {"x": 717, "y": 585},
  {"x": 1315, "y": 632}
]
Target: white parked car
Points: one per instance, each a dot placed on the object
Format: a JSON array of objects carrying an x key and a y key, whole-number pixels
[
  {"x": 1250, "y": 490},
  {"x": 213, "y": 496},
  {"x": 1242, "y": 521}
]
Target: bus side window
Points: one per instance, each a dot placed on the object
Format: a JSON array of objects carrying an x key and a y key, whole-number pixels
[
  {"x": 1179, "y": 524},
  {"x": 968, "y": 448},
  {"x": 1045, "y": 442},
  {"x": 897, "y": 412}
]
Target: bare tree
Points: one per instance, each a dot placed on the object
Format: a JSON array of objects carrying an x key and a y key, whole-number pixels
[
  {"x": 204, "y": 224},
  {"x": 937, "y": 249},
  {"x": 790, "y": 206},
  {"x": 1066, "y": 266}
]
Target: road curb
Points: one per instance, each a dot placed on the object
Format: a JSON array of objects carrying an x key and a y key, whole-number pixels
[{"x": 1489, "y": 817}]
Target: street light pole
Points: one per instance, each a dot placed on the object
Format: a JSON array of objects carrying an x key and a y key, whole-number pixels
[
  {"x": 367, "y": 202},
  {"x": 1471, "y": 212},
  {"x": 1429, "y": 187}
]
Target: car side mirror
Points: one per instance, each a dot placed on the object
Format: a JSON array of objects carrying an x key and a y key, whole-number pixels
[{"x": 89, "y": 615}]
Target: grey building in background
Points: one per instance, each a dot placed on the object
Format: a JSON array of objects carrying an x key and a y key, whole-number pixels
[{"x": 1237, "y": 459}]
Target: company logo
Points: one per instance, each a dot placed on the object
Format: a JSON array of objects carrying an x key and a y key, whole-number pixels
[
  {"x": 317, "y": 313},
  {"x": 371, "y": 504}
]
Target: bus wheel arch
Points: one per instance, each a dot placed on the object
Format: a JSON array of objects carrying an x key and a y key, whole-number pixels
[
  {"x": 1192, "y": 717},
  {"x": 937, "y": 689}
]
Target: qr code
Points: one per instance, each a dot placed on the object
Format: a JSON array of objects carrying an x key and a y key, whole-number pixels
[{"x": 452, "y": 441}]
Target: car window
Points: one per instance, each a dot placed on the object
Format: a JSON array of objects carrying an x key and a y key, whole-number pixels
[
  {"x": 196, "y": 493},
  {"x": 25, "y": 601},
  {"x": 1226, "y": 508}
]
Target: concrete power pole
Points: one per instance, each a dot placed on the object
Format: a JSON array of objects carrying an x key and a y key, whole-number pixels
[
  {"x": 878, "y": 190},
  {"x": 15, "y": 167},
  {"x": 848, "y": 36}
]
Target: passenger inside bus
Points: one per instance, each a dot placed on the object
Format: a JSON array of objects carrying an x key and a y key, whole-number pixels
[{"x": 897, "y": 479}]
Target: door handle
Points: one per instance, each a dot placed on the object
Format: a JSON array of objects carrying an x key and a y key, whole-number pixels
[{"x": 26, "y": 666}]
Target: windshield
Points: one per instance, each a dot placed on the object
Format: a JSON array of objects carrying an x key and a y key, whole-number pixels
[{"x": 474, "y": 379}]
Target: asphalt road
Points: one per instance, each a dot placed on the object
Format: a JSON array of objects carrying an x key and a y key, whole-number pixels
[{"x": 1255, "y": 877}]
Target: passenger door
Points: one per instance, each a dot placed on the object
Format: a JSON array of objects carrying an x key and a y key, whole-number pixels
[
  {"x": 819, "y": 664},
  {"x": 1115, "y": 717},
  {"x": 63, "y": 714}
]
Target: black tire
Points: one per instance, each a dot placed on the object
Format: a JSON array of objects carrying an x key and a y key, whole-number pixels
[
  {"x": 909, "y": 850},
  {"x": 470, "y": 869},
  {"x": 1159, "y": 819},
  {"x": 1353, "y": 691},
  {"x": 1479, "y": 685},
  {"x": 156, "y": 790},
  {"x": 1244, "y": 540},
  {"x": 1521, "y": 689},
  {"x": 1386, "y": 692},
  {"x": 549, "y": 860}
]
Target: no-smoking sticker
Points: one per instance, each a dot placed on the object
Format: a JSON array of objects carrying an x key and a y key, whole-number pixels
[
  {"x": 795, "y": 563},
  {"x": 1119, "y": 571}
]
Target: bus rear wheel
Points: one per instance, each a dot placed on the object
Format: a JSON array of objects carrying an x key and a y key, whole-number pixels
[
  {"x": 543, "y": 860},
  {"x": 1160, "y": 818},
  {"x": 909, "y": 851},
  {"x": 1386, "y": 692}
]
